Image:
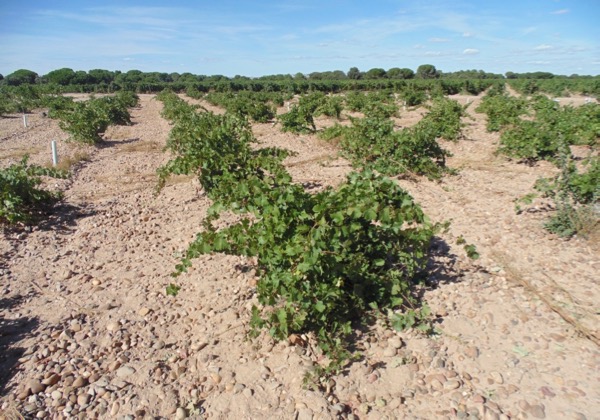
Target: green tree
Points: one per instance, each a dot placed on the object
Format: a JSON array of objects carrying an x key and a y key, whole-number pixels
[
  {"x": 398, "y": 73},
  {"x": 81, "y": 78},
  {"x": 101, "y": 76},
  {"x": 20, "y": 77},
  {"x": 354, "y": 73},
  {"x": 375, "y": 73},
  {"x": 61, "y": 77},
  {"x": 427, "y": 71}
]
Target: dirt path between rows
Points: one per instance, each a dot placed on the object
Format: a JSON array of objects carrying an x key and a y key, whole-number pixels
[{"x": 87, "y": 330}]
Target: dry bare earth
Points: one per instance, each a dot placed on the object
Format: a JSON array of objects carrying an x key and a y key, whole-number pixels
[{"x": 86, "y": 329}]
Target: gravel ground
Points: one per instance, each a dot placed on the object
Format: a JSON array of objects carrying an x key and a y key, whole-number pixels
[{"x": 87, "y": 330}]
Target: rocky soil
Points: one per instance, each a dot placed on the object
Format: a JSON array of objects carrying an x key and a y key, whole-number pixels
[{"x": 88, "y": 331}]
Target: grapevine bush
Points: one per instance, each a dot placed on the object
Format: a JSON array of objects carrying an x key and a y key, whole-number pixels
[
  {"x": 576, "y": 195},
  {"x": 371, "y": 142},
  {"x": 257, "y": 107},
  {"x": 86, "y": 121},
  {"x": 21, "y": 199},
  {"x": 553, "y": 125},
  {"x": 502, "y": 110},
  {"x": 324, "y": 259}
]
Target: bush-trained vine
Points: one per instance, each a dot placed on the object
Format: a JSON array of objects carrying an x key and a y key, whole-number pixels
[
  {"x": 327, "y": 259},
  {"x": 255, "y": 106},
  {"x": 21, "y": 199},
  {"x": 372, "y": 142},
  {"x": 502, "y": 110},
  {"x": 324, "y": 259},
  {"x": 86, "y": 121},
  {"x": 553, "y": 125},
  {"x": 576, "y": 194}
]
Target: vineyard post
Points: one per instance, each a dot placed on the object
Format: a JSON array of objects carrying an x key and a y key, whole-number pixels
[
  {"x": 54, "y": 154},
  {"x": 24, "y": 120}
]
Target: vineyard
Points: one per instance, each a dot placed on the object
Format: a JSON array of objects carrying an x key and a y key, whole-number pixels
[{"x": 308, "y": 249}]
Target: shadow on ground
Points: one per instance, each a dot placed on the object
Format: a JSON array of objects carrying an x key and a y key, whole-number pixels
[
  {"x": 64, "y": 216},
  {"x": 12, "y": 332}
]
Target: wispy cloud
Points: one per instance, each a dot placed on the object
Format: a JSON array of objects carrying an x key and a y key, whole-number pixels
[
  {"x": 543, "y": 47},
  {"x": 146, "y": 16},
  {"x": 470, "y": 51},
  {"x": 560, "y": 12},
  {"x": 438, "y": 39}
]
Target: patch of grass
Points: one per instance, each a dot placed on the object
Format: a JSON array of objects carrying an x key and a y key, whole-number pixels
[
  {"x": 19, "y": 152},
  {"x": 142, "y": 146},
  {"x": 68, "y": 162}
]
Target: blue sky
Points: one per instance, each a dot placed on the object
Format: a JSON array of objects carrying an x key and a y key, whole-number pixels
[{"x": 255, "y": 38}]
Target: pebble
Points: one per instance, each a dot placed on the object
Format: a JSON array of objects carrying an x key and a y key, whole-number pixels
[
  {"x": 497, "y": 377},
  {"x": 452, "y": 384},
  {"x": 79, "y": 382},
  {"x": 472, "y": 352},
  {"x": 537, "y": 411},
  {"x": 160, "y": 344},
  {"x": 180, "y": 414},
  {"x": 395, "y": 342},
  {"x": 478, "y": 399},
  {"x": 390, "y": 351},
  {"x": 113, "y": 326},
  {"x": 35, "y": 386},
  {"x": 304, "y": 414},
  {"x": 125, "y": 371},
  {"x": 115, "y": 408},
  {"x": 144, "y": 311},
  {"x": 83, "y": 399},
  {"x": 547, "y": 392},
  {"x": 51, "y": 380}
]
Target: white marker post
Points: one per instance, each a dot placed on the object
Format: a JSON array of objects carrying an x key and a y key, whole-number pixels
[
  {"x": 54, "y": 154},
  {"x": 25, "y": 120}
]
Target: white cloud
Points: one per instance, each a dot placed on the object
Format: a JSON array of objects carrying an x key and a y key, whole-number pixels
[
  {"x": 560, "y": 12},
  {"x": 543, "y": 47},
  {"x": 438, "y": 40},
  {"x": 470, "y": 51},
  {"x": 467, "y": 34}
]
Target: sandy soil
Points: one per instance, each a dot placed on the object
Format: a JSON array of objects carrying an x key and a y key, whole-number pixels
[{"x": 87, "y": 330}]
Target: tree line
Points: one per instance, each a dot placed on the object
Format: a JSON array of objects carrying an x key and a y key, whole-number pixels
[{"x": 67, "y": 76}]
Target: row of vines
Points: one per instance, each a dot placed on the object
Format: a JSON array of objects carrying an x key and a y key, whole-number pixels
[
  {"x": 541, "y": 129},
  {"x": 23, "y": 200}
]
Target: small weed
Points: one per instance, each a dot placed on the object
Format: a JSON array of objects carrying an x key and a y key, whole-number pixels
[{"x": 173, "y": 289}]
